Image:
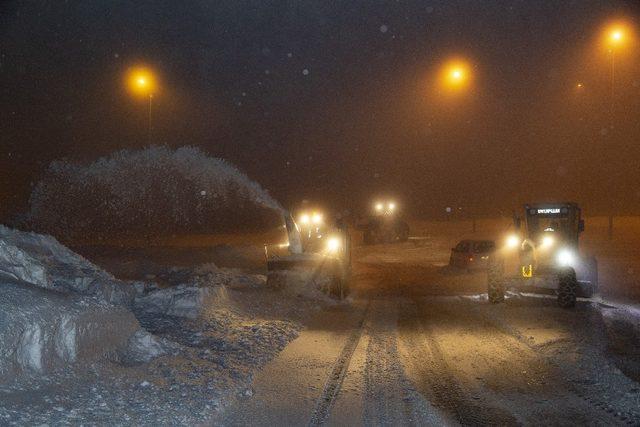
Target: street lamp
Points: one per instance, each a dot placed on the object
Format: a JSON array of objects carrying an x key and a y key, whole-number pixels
[
  {"x": 615, "y": 36},
  {"x": 142, "y": 82},
  {"x": 455, "y": 75}
]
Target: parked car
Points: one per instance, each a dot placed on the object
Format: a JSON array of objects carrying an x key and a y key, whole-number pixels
[{"x": 472, "y": 254}]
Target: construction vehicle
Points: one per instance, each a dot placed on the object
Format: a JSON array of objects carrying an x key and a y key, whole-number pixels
[
  {"x": 543, "y": 256},
  {"x": 325, "y": 264},
  {"x": 384, "y": 225}
]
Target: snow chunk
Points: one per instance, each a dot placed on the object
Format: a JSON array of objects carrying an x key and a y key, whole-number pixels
[
  {"x": 178, "y": 301},
  {"x": 144, "y": 347}
]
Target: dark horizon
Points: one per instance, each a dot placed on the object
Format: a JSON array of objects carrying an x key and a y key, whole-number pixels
[{"x": 333, "y": 102}]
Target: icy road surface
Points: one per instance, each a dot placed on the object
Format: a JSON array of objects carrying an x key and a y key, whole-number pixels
[{"x": 421, "y": 346}]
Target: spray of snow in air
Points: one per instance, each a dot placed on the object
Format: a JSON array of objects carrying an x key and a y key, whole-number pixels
[{"x": 156, "y": 188}]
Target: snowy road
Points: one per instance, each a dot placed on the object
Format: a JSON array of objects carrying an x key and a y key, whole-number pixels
[{"x": 416, "y": 348}]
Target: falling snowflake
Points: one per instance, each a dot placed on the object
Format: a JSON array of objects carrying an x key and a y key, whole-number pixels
[
  {"x": 384, "y": 28},
  {"x": 305, "y": 72},
  {"x": 289, "y": 55},
  {"x": 203, "y": 193}
]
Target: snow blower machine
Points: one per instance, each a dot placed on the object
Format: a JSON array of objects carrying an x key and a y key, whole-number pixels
[
  {"x": 543, "y": 256},
  {"x": 318, "y": 256},
  {"x": 384, "y": 225}
]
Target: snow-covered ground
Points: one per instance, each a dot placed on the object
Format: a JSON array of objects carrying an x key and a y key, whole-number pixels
[
  {"x": 173, "y": 354},
  {"x": 186, "y": 341}
]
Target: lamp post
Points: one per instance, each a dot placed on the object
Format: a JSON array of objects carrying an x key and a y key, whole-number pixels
[
  {"x": 615, "y": 37},
  {"x": 142, "y": 82}
]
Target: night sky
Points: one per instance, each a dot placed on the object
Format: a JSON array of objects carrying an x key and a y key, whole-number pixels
[{"x": 334, "y": 101}]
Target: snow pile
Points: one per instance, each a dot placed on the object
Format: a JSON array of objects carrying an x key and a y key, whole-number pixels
[
  {"x": 42, "y": 261},
  {"x": 177, "y": 301},
  {"x": 41, "y": 331},
  {"x": 190, "y": 291},
  {"x": 155, "y": 190},
  {"x": 83, "y": 359}
]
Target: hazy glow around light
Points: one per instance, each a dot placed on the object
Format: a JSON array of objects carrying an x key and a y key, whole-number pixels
[
  {"x": 455, "y": 74},
  {"x": 141, "y": 81},
  {"x": 566, "y": 257},
  {"x": 547, "y": 241},
  {"x": 616, "y": 34},
  {"x": 513, "y": 241},
  {"x": 333, "y": 244}
]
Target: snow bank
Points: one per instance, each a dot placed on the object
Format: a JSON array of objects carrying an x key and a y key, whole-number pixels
[
  {"x": 42, "y": 261},
  {"x": 192, "y": 290},
  {"x": 622, "y": 326},
  {"x": 154, "y": 190},
  {"x": 41, "y": 330}
]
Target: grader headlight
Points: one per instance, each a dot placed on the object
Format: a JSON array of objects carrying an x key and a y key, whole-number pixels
[
  {"x": 316, "y": 218},
  {"x": 547, "y": 242},
  {"x": 513, "y": 241},
  {"x": 566, "y": 257}
]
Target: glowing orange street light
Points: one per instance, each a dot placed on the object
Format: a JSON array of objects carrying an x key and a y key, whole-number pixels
[
  {"x": 142, "y": 81},
  {"x": 614, "y": 37},
  {"x": 455, "y": 75}
]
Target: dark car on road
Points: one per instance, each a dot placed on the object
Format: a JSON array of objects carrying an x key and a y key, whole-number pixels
[{"x": 472, "y": 254}]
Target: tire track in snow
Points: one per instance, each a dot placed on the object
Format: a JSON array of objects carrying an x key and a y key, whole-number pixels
[
  {"x": 339, "y": 371},
  {"x": 608, "y": 413},
  {"x": 390, "y": 398},
  {"x": 437, "y": 375}
]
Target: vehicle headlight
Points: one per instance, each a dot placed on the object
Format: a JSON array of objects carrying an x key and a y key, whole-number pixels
[
  {"x": 513, "y": 241},
  {"x": 333, "y": 244},
  {"x": 316, "y": 218},
  {"x": 547, "y": 241},
  {"x": 379, "y": 207},
  {"x": 304, "y": 219},
  {"x": 566, "y": 257}
]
